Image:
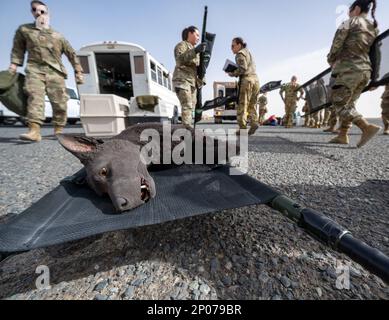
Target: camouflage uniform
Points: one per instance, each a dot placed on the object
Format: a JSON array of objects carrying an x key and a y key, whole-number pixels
[
  {"x": 333, "y": 117},
  {"x": 306, "y": 110},
  {"x": 291, "y": 99},
  {"x": 349, "y": 57},
  {"x": 249, "y": 88},
  {"x": 45, "y": 73},
  {"x": 262, "y": 101},
  {"x": 385, "y": 107},
  {"x": 327, "y": 116},
  {"x": 318, "y": 118},
  {"x": 185, "y": 79}
]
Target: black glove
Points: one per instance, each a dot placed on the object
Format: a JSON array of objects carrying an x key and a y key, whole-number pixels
[{"x": 201, "y": 48}]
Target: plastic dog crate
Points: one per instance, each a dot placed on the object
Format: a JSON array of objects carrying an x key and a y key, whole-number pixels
[{"x": 104, "y": 115}]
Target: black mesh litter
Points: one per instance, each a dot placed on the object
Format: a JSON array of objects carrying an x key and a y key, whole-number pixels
[
  {"x": 72, "y": 212},
  {"x": 318, "y": 91},
  {"x": 380, "y": 58}
]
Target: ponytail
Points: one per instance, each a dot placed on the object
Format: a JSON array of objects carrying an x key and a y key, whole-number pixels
[
  {"x": 240, "y": 41},
  {"x": 373, "y": 9},
  {"x": 365, "y": 6}
]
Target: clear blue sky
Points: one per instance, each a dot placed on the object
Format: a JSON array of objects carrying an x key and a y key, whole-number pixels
[{"x": 275, "y": 30}]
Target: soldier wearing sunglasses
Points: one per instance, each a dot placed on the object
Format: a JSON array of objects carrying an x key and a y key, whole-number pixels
[{"x": 45, "y": 72}]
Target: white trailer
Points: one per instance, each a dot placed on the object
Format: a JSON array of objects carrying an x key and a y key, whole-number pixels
[
  {"x": 227, "y": 112},
  {"x": 127, "y": 70}
]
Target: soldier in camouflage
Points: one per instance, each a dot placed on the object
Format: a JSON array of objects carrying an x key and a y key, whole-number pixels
[
  {"x": 332, "y": 120},
  {"x": 185, "y": 77},
  {"x": 385, "y": 110},
  {"x": 262, "y": 101},
  {"x": 327, "y": 116},
  {"x": 351, "y": 69},
  {"x": 290, "y": 99},
  {"x": 249, "y": 85},
  {"x": 45, "y": 73},
  {"x": 319, "y": 119},
  {"x": 307, "y": 116}
]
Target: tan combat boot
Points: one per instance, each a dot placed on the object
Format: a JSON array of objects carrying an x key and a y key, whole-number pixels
[
  {"x": 34, "y": 133},
  {"x": 58, "y": 130},
  {"x": 386, "y": 129},
  {"x": 254, "y": 127},
  {"x": 342, "y": 138},
  {"x": 368, "y": 131}
]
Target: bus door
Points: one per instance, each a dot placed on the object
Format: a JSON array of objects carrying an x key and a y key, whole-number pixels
[
  {"x": 140, "y": 74},
  {"x": 88, "y": 63},
  {"x": 114, "y": 74}
]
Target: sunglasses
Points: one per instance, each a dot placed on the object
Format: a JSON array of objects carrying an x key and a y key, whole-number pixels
[{"x": 35, "y": 10}]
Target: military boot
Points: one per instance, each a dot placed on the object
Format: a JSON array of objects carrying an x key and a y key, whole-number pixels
[
  {"x": 342, "y": 138},
  {"x": 254, "y": 127},
  {"x": 34, "y": 133},
  {"x": 58, "y": 130},
  {"x": 386, "y": 130},
  {"x": 368, "y": 131}
]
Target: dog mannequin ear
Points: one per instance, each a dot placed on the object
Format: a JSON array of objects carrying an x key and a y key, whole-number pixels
[{"x": 82, "y": 147}]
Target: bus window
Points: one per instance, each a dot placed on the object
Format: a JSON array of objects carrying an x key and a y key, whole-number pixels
[
  {"x": 139, "y": 63},
  {"x": 153, "y": 71},
  {"x": 114, "y": 71},
  {"x": 84, "y": 64},
  {"x": 72, "y": 94},
  {"x": 160, "y": 80},
  {"x": 169, "y": 82},
  {"x": 165, "y": 80}
]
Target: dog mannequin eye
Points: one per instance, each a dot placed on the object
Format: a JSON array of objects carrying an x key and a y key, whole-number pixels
[{"x": 104, "y": 172}]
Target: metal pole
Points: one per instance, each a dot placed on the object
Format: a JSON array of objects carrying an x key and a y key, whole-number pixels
[{"x": 335, "y": 236}]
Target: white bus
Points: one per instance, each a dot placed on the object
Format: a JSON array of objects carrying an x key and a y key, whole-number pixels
[{"x": 129, "y": 71}]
